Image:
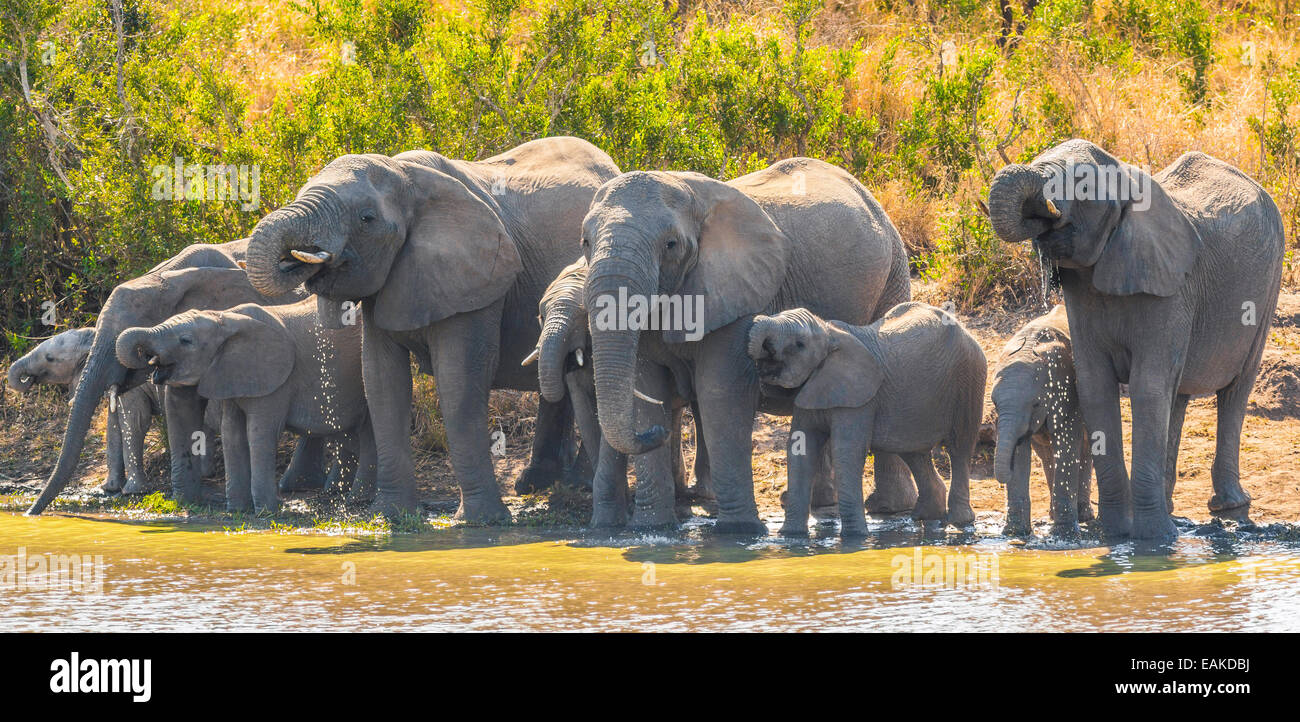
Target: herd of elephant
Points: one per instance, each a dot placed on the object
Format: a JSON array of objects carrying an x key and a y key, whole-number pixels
[{"x": 480, "y": 269}]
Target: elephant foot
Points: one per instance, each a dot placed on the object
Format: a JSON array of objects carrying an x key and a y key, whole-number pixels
[
  {"x": 483, "y": 511},
  {"x": 1232, "y": 504},
  {"x": 827, "y": 514},
  {"x": 362, "y": 491},
  {"x": 1154, "y": 527},
  {"x": 576, "y": 478},
  {"x": 396, "y": 504},
  {"x": 1085, "y": 511},
  {"x": 1065, "y": 530},
  {"x": 266, "y": 509},
  {"x": 892, "y": 498},
  {"x": 793, "y": 530},
  {"x": 133, "y": 487},
  {"x": 538, "y": 477},
  {"x": 111, "y": 486},
  {"x": 645, "y": 519},
  {"x": 961, "y": 515},
  {"x": 302, "y": 482},
  {"x": 609, "y": 516},
  {"x": 741, "y": 527},
  {"x": 854, "y": 530},
  {"x": 237, "y": 506},
  {"x": 935, "y": 510}
]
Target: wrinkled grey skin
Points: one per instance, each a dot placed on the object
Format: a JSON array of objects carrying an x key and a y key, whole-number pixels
[
  {"x": 564, "y": 366},
  {"x": 905, "y": 384},
  {"x": 58, "y": 361},
  {"x": 448, "y": 260},
  {"x": 1159, "y": 299},
  {"x": 272, "y": 368},
  {"x": 799, "y": 233},
  {"x": 200, "y": 276},
  {"x": 1038, "y": 408}
]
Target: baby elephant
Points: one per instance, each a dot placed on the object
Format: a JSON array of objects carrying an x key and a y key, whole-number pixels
[
  {"x": 908, "y": 382},
  {"x": 273, "y": 368},
  {"x": 1037, "y": 406},
  {"x": 58, "y": 361}
]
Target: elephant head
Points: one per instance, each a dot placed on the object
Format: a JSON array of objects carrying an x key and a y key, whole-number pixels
[
  {"x": 1035, "y": 371},
  {"x": 166, "y": 290},
  {"x": 565, "y": 338},
  {"x": 411, "y": 241},
  {"x": 686, "y": 239},
  {"x": 1084, "y": 209},
  {"x": 831, "y": 368},
  {"x": 240, "y": 353},
  {"x": 58, "y": 361}
]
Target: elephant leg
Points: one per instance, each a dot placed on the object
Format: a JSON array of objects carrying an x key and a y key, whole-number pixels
[
  {"x": 960, "y": 449},
  {"x": 655, "y": 501},
  {"x": 609, "y": 491},
  {"x": 187, "y": 441},
  {"x": 113, "y": 449},
  {"x": 850, "y": 439},
  {"x": 583, "y": 469},
  {"x": 1176, "y": 416},
  {"x": 824, "y": 501},
  {"x": 263, "y": 436},
  {"x": 1064, "y": 483},
  {"x": 1230, "y": 500},
  {"x": 134, "y": 416},
  {"x": 465, "y": 363},
  {"x": 386, "y": 370},
  {"x": 802, "y": 462},
  {"x": 343, "y": 449},
  {"x": 894, "y": 491},
  {"x": 726, "y": 385},
  {"x": 234, "y": 435},
  {"x": 552, "y": 434},
  {"x": 931, "y": 504},
  {"x": 363, "y": 482},
  {"x": 702, "y": 490},
  {"x": 1099, "y": 400},
  {"x": 1151, "y": 390},
  {"x": 1084, "y": 483},
  {"x": 308, "y": 467}
]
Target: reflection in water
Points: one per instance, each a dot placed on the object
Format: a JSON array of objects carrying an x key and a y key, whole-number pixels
[{"x": 171, "y": 575}]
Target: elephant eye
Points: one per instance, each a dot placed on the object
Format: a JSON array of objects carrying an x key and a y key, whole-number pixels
[
  {"x": 672, "y": 245},
  {"x": 187, "y": 340},
  {"x": 798, "y": 344},
  {"x": 49, "y": 357},
  {"x": 367, "y": 216}
]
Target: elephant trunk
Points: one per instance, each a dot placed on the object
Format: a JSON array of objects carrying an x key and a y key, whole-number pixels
[
  {"x": 20, "y": 379},
  {"x": 614, "y": 363},
  {"x": 1018, "y": 210},
  {"x": 102, "y": 370},
  {"x": 135, "y": 346},
  {"x": 552, "y": 348},
  {"x": 300, "y": 225},
  {"x": 1012, "y": 430}
]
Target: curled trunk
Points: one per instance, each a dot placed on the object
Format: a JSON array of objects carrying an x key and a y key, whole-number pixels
[
  {"x": 19, "y": 378},
  {"x": 302, "y": 224},
  {"x": 133, "y": 347},
  {"x": 553, "y": 348},
  {"x": 614, "y": 363},
  {"x": 1017, "y": 209}
]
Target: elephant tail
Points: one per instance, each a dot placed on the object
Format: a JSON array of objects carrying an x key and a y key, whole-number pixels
[{"x": 898, "y": 286}]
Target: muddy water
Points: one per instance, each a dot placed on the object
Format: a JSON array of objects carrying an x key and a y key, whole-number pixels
[{"x": 175, "y": 575}]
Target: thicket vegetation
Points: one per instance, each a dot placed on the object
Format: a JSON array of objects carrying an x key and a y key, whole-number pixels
[{"x": 923, "y": 101}]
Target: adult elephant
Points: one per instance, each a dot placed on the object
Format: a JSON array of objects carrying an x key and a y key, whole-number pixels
[
  {"x": 201, "y": 276},
  {"x": 798, "y": 233},
  {"x": 1170, "y": 282},
  {"x": 448, "y": 260}
]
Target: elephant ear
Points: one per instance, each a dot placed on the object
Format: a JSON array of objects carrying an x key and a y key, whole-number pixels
[
  {"x": 457, "y": 257},
  {"x": 1152, "y": 249},
  {"x": 742, "y": 260},
  {"x": 256, "y": 358},
  {"x": 848, "y": 378}
]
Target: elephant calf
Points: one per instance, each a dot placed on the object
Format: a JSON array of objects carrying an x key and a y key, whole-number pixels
[
  {"x": 904, "y": 384},
  {"x": 272, "y": 368},
  {"x": 58, "y": 361},
  {"x": 1034, "y": 393}
]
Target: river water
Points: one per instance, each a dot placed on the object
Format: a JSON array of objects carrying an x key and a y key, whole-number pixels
[{"x": 174, "y": 575}]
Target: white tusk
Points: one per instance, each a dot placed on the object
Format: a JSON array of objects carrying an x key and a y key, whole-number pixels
[
  {"x": 531, "y": 357},
  {"x": 637, "y": 393},
  {"x": 578, "y": 355},
  {"x": 25, "y": 379},
  {"x": 318, "y": 257},
  {"x": 1051, "y": 207},
  {"x": 112, "y": 399},
  {"x": 153, "y": 360}
]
